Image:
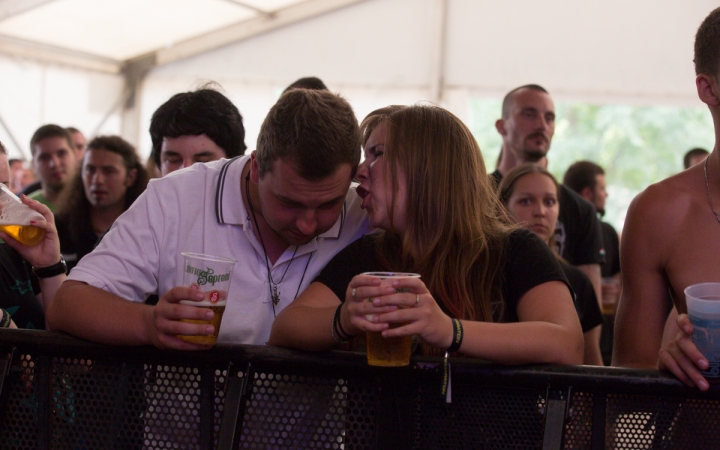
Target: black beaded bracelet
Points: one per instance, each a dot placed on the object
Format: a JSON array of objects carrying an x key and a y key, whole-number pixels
[
  {"x": 334, "y": 330},
  {"x": 340, "y": 330},
  {"x": 457, "y": 336}
]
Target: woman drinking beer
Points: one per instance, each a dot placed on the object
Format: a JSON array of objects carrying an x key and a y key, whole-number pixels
[{"x": 487, "y": 288}]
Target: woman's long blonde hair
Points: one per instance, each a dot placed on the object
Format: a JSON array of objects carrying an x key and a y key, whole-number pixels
[{"x": 456, "y": 228}]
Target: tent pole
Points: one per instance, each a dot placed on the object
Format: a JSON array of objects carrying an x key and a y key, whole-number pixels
[{"x": 437, "y": 56}]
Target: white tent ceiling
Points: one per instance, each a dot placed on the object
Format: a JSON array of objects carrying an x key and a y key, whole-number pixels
[{"x": 106, "y": 65}]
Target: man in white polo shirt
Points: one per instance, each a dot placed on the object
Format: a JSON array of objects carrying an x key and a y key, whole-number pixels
[{"x": 282, "y": 213}]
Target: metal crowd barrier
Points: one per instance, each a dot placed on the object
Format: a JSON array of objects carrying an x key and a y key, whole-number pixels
[{"x": 63, "y": 393}]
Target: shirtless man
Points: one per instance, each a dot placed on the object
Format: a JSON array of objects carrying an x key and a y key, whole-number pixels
[{"x": 671, "y": 240}]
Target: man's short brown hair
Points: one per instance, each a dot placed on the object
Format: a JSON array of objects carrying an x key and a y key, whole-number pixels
[
  {"x": 315, "y": 131},
  {"x": 49, "y": 131},
  {"x": 707, "y": 45},
  {"x": 581, "y": 175}
]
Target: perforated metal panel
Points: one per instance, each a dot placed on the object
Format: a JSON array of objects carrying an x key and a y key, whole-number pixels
[
  {"x": 289, "y": 411},
  {"x": 479, "y": 417},
  {"x": 579, "y": 421},
  {"x": 173, "y": 414},
  {"x": 662, "y": 423},
  {"x": 165, "y": 400},
  {"x": 19, "y": 428}
]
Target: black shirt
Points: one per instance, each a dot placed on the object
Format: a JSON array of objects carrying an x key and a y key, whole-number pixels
[
  {"x": 528, "y": 262},
  {"x": 18, "y": 287},
  {"x": 577, "y": 232},
  {"x": 73, "y": 246},
  {"x": 611, "y": 244},
  {"x": 586, "y": 302}
]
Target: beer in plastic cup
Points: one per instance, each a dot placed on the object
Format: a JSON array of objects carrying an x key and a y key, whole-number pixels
[
  {"x": 392, "y": 351},
  {"x": 703, "y": 306},
  {"x": 610, "y": 296},
  {"x": 15, "y": 219},
  {"x": 211, "y": 275}
]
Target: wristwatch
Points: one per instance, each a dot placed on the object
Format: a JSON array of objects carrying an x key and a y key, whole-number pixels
[{"x": 51, "y": 271}]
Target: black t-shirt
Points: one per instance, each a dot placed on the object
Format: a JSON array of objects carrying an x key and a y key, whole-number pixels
[
  {"x": 611, "y": 244},
  {"x": 18, "y": 287},
  {"x": 73, "y": 246},
  {"x": 577, "y": 232},
  {"x": 527, "y": 262},
  {"x": 586, "y": 302}
]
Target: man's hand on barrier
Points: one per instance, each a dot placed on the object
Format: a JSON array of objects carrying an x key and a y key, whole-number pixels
[
  {"x": 170, "y": 318},
  {"x": 681, "y": 357}
]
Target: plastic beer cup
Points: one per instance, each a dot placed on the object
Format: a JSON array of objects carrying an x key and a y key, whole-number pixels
[
  {"x": 610, "y": 295},
  {"x": 703, "y": 306},
  {"x": 211, "y": 275},
  {"x": 15, "y": 219},
  {"x": 393, "y": 351}
]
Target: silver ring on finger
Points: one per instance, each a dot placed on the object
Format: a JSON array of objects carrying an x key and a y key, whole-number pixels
[
  {"x": 352, "y": 294},
  {"x": 417, "y": 299}
]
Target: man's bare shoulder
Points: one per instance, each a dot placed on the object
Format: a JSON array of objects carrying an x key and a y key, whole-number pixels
[{"x": 671, "y": 200}]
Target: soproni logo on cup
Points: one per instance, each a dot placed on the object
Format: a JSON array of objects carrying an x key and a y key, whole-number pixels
[{"x": 206, "y": 276}]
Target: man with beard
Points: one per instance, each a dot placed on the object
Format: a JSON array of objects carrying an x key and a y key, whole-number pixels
[
  {"x": 527, "y": 127},
  {"x": 282, "y": 212}
]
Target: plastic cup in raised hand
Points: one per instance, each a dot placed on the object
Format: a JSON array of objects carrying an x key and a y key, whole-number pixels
[
  {"x": 210, "y": 275},
  {"x": 393, "y": 351},
  {"x": 703, "y": 306}
]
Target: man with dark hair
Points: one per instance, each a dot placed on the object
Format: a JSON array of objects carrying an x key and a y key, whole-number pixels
[
  {"x": 307, "y": 83},
  {"x": 694, "y": 156},
  {"x": 110, "y": 179},
  {"x": 53, "y": 161},
  {"x": 199, "y": 126},
  {"x": 671, "y": 240},
  {"x": 527, "y": 126},
  {"x": 282, "y": 212},
  {"x": 79, "y": 142},
  {"x": 588, "y": 179}
]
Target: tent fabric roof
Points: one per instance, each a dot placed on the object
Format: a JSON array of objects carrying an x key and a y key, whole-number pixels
[
  {"x": 105, "y": 65},
  {"x": 104, "y": 34}
]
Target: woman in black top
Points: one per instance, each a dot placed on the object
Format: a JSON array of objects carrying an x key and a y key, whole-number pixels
[
  {"x": 530, "y": 194},
  {"x": 425, "y": 186}
]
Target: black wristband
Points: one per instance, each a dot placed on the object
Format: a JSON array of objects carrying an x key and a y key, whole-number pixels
[
  {"x": 457, "y": 336},
  {"x": 51, "y": 271},
  {"x": 339, "y": 338},
  {"x": 6, "y": 319},
  {"x": 341, "y": 331}
]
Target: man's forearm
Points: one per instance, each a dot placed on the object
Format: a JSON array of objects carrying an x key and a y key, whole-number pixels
[{"x": 99, "y": 316}]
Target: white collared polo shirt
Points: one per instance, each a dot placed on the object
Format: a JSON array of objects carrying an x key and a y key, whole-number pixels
[{"x": 200, "y": 209}]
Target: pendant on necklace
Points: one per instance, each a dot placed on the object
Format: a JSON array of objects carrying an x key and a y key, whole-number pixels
[{"x": 275, "y": 294}]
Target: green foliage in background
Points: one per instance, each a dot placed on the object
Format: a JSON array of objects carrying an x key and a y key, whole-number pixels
[{"x": 636, "y": 145}]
